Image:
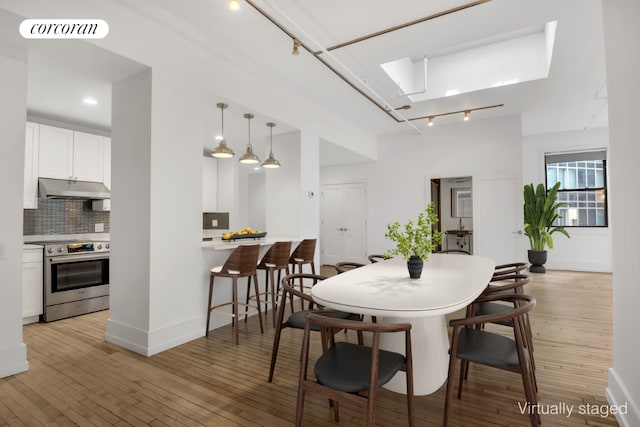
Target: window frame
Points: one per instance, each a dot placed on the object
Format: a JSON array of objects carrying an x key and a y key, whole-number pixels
[{"x": 567, "y": 159}]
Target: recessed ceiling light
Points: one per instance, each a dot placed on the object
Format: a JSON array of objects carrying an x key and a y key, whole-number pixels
[
  {"x": 234, "y": 5},
  {"x": 89, "y": 100}
]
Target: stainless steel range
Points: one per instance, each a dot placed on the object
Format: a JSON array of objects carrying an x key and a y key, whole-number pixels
[{"x": 76, "y": 278}]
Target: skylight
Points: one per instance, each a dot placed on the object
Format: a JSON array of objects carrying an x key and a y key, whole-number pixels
[{"x": 504, "y": 60}]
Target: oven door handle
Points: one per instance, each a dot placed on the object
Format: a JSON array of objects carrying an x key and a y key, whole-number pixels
[{"x": 77, "y": 258}]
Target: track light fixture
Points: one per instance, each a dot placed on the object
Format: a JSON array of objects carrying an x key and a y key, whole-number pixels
[
  {"x": 271, "y": 162},
  {"x": 467, "y": 113},
  {"x": 222, "y": 151},
  {"x": 296, "y": 46},
  {"x": 249, "y": 156}
]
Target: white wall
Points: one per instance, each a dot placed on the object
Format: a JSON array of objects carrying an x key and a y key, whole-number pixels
[
  {"x": 622, "y": 33},
  {"x": 396, "y": 183},
  {"x": 283, "y": 188},
  {"x": 588, "y": 249},
  {"x": 13, "y": 115},
  {"x": 257, "y": 201}
]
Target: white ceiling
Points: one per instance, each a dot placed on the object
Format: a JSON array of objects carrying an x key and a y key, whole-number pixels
[{"x": 572, "y": 97}]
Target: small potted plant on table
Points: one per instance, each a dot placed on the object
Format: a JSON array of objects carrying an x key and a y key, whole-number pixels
[
  {"x": 540, "y": 212},
  {"x": 415, "y": 240}
]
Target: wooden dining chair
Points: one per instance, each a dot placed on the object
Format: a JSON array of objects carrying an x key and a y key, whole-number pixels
[
  {"x": 470, "y": 344},
  {"x": 241, "y": 263},
  {"x": 352, "y": 373},
  {"x": 296, "y": 319}
]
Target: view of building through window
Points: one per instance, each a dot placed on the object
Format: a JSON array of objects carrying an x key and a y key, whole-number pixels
[{"x": 583, "y": 184}]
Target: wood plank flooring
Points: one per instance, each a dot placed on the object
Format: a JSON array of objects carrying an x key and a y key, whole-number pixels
[{"x": 76, "y": 378}]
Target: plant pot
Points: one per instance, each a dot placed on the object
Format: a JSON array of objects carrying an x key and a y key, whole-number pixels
[
  {"x": 415, "y": 267},
  {"x": 537, "y": 260}
]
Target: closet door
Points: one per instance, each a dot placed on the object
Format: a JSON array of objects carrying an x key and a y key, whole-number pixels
[{"x": 343, "y": 223}]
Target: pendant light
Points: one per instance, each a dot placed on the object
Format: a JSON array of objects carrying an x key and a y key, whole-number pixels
[
  {"x": 271, "y": 162},
  {"x": 222, "y": 151},
  {"x": 249, "y": 157}
]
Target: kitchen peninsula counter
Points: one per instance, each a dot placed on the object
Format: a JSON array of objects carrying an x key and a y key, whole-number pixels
[{"x": 218, "y": 244}]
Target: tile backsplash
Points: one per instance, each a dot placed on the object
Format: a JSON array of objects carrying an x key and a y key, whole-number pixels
[{"x": 60, "y": 216}]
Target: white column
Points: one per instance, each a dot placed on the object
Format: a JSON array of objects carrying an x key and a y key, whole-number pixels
[
  {"x": 623, "y": 67},
  {"x": 13, "y": 116}
]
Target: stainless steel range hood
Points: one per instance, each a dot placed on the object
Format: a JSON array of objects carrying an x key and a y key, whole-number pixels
[{"x": 68, "y": 189}]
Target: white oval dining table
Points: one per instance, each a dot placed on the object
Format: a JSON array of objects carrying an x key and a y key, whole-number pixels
[{"x": 448, "y": 283}]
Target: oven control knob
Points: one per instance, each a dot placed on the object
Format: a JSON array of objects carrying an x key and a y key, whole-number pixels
[
  {"x": 59, "y": 250},
  {"x": 106, "y": 246},
  {"x": 49, "y": 250},
  {"x": 99, "y": 245}
]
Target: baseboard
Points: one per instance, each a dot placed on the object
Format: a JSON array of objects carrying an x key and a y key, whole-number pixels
[
  {"x": 148, "y": 343},
  {"x": 14, "y": 360},
  {"x": 618, "y": 395},
  {"x": 580, "y": 266}
]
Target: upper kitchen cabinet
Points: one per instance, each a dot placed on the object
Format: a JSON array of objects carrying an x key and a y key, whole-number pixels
[
  {"x": 31, "y": 150},
  {"x": 67, "y": 154}
]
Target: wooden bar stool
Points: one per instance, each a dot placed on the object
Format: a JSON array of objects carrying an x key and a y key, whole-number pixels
[
  {"x": 303, "y": 254},
  {"x": 241, "y": 263},
  {"x": 276, "y": 259}
]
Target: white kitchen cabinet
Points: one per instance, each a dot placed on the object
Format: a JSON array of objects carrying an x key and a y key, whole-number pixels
[
  {"x": 56, "y": 152},
  {"x": 88, "y": 157},
  {"x": 67, "y": 154},
  {"x": 31, "y": 283},
  {"x": 31, "y": 154}
]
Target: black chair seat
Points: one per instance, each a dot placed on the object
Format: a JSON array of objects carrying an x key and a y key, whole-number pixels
[
  {"x": 487, "y": 348},
  {"x": 299, "y": 318},
  {"x": 346, "y": 366}
]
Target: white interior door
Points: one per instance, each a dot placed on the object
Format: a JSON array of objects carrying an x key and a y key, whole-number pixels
[
  {"x": 343, "y": 223},
  {"x": 498, "y": 232}
]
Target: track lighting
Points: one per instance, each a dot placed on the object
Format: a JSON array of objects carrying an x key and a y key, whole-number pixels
[
  {"x": 466, "y": 115},
  {"x": 430, "y": 121},
  {"x": 222, "y": 151},
  {"x": 271, "y": 162},
  {"x": 296, "y": 45},
  {"x": 249, "y": 156}
]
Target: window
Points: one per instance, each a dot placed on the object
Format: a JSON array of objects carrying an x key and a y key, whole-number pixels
[{"x": 583, "y": 184}]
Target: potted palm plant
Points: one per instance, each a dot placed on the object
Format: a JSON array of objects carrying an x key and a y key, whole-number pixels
[
  {"x": 540, "y": 212},
  {"x": 415, "y": 240}
]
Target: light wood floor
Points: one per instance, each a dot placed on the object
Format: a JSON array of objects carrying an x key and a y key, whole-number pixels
[{"x": 76, "y": 378}]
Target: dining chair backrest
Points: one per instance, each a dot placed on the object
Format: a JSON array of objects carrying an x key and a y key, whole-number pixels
[
  {"x": 376, "y": 257},
  {"x": 342, "y": 267}
]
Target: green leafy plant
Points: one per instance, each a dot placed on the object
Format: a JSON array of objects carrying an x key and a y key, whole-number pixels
[
  {"x": 540, "y": 211},
  {"x": 415, "y": 238}
]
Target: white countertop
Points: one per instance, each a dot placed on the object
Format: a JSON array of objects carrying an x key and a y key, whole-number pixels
[{"x": 218, "y": 245}]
